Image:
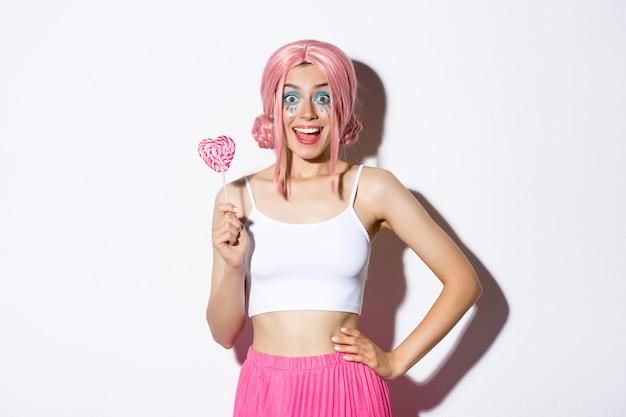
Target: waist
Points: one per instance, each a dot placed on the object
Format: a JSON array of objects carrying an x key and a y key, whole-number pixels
[
  {"x": 299, "y": 333},
  {"x": 294, "y": 362}
]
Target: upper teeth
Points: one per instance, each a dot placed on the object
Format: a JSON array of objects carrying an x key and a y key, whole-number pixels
[{"x": 307, "y": 129}]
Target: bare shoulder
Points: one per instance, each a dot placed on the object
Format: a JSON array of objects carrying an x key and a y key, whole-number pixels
[
  {"x": 380, "y": 195},
  {"x": 376, "y": 183},
  {"x": 236, "y": 191}
]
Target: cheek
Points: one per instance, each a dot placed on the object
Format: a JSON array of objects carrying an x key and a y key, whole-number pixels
[
  {"x": 324, "y": 110},
  {"x": 286, "y": 122},
  {"x": 289, "y": 111}
]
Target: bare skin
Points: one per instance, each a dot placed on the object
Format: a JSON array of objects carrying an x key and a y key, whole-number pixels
[{"x": 381, "y": 202}]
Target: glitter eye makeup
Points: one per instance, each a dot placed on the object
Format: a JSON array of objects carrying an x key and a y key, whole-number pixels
[
  {"x": 291, "y": 102},
  {"x": 322, "y": 100}
]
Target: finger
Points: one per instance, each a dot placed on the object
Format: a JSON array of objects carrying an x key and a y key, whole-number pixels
[
  {"x": 357, "y": 354},
  {"x": 353, "y": 357},
  {"x": 348, "y": 331},
  {"x": 228, "y": 221},
  {"x": 349, "y": 337},
  {"x": 354, "y": 335},
  {"x": 341, "y": 343},
  {"x": 230, "y": 239},
  {"x": 226, "y": 233},
  {"x": 226, "y": 208},
  {"x": 353, "y": 343},
  {"x": 232, "y": 225},
  {"x": 344, "y": 340}
]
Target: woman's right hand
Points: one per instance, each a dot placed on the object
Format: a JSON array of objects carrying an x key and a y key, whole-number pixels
[{"x": 230, "y": 237}]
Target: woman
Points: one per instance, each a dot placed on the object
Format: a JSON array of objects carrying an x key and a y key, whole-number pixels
[{"x": 291, "y": 250}]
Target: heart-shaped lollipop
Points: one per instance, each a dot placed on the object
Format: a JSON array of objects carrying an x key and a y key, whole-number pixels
[{"x": 218, "y": 154}]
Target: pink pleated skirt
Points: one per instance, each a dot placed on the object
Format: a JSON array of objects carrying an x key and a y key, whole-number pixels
[{"x": 309, "y": 386}]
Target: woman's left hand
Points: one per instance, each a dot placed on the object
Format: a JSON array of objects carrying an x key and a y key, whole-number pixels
[{"x": 358, "y": 348}]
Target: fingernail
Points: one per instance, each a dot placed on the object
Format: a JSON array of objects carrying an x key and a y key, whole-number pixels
[
  {"x": 334, "y": 338},
  {"x": 337, "y": 347},
  {"x": 236, "y": 209}
]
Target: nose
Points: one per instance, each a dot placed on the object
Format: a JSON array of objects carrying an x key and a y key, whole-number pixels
[{"x": 308, "y": 110}]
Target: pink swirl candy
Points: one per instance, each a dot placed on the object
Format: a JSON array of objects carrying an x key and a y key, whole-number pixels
[{"x": 217, "y": 153}]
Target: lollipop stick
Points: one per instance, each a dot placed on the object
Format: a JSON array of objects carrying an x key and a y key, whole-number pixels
[{"x": 225, "y": 187}]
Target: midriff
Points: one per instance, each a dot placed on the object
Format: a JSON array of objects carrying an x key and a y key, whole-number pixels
[{"x": 299, "y": 333}]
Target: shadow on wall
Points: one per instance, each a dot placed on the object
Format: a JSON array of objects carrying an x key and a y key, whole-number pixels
[
  {"x": 386, "y": 285},
  {"x": 386, "y": 289}
]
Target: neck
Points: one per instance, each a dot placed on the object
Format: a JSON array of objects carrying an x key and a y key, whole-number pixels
[{"x": 307, "y": 169}]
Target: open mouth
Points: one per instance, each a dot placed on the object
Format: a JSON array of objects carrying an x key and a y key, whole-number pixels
[{"x": 307, "y": 135}]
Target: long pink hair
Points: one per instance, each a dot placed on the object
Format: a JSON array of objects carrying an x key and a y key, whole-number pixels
[{"x": 338, "y": 69}]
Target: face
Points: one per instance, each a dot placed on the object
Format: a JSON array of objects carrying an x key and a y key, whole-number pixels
[{"x": 306, "y": 112}]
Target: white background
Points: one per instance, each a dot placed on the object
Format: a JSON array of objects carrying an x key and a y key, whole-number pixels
[{"x": 506, "y": 119}]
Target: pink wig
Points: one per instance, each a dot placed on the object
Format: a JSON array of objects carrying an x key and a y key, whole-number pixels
[{"x": 338, "y": 69}]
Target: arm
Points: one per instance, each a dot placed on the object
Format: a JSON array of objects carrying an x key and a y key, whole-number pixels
[
  {"x": 387, "y": 202},
  {"x": 226, "y": 307}
]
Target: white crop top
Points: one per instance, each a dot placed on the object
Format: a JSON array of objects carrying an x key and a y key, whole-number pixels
[{"x": 317, "y": 266}]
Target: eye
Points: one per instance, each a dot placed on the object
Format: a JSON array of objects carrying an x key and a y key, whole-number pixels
[
  {"x": 322, "y": 98},
  {"x": 291, "y": 99}
]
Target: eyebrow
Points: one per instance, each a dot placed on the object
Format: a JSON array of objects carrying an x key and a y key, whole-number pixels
[{"x": 297, "y": 88}]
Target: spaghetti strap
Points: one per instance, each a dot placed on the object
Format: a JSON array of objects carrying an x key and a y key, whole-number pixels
[
  {"x": 249, "y": 187},
  {"x": 356, "y": 185}
]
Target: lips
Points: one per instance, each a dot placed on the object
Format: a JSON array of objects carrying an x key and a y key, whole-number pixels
[{"x": 308, "y": 135}]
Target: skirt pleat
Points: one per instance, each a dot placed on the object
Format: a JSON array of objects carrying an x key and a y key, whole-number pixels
[{"x": 309, "y": 386}]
